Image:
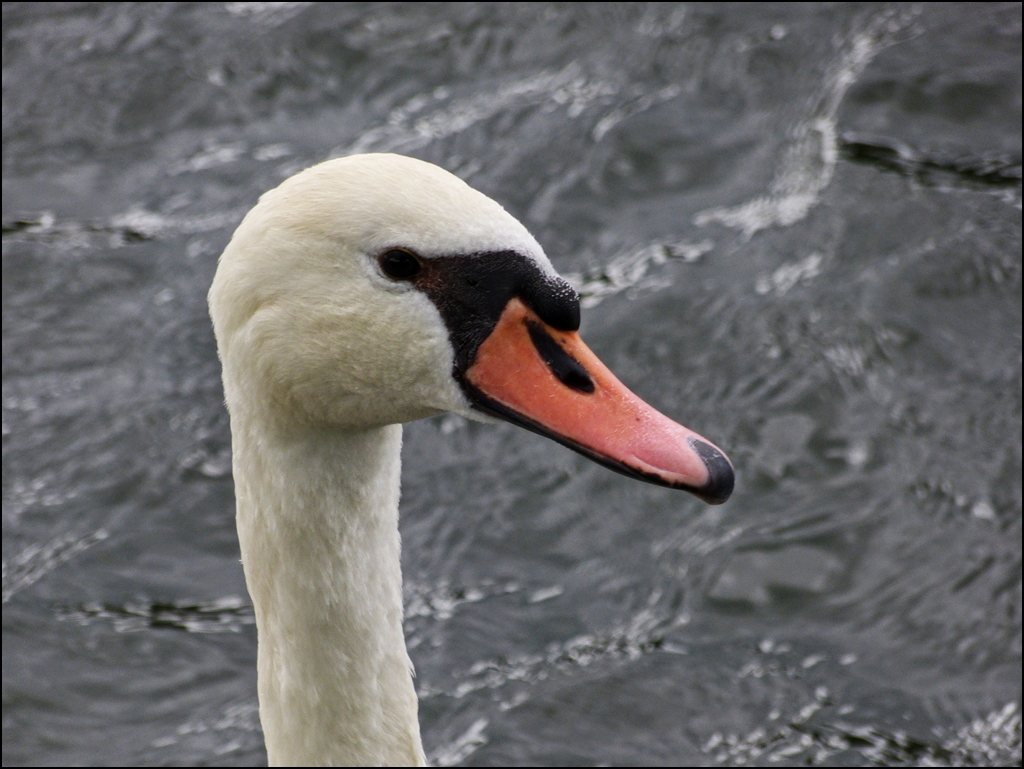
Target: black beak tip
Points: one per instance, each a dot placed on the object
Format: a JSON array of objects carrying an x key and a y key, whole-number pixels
[{"x": 721, "y": 476}]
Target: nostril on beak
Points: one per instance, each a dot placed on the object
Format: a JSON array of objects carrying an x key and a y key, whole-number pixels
[
  {"x": 566, "y": 369},
  {"x": 721, "y": 477}
]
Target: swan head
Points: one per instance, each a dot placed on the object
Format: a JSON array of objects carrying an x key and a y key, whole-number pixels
[{"x": 378, "y": 289}]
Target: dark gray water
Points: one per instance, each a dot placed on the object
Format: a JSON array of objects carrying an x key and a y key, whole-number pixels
[{"x": 796, "y": 229}]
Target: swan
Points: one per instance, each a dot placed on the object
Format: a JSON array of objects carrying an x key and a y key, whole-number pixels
[{"x": 362, "y": 293}]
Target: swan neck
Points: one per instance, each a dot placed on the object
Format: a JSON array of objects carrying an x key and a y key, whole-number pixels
[{"x": 317, "y": 518}]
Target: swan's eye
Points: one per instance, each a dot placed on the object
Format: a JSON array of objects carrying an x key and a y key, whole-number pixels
[{"x": 399, "y": 264}]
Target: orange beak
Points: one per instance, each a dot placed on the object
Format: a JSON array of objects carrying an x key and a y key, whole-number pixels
[{"x": 548, "y": 381}]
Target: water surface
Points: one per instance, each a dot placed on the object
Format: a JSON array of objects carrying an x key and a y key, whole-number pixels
[{"x": 795, "y": 228}]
